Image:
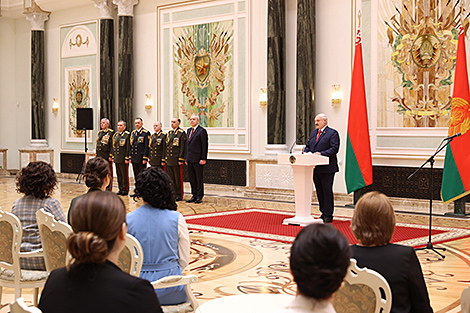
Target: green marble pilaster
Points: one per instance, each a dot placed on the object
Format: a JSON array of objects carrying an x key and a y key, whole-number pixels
[
  {"x": 276, "y": 72},
  {"x": 305, "y": 98},
  {"x": 38, "y": 117},
  {"x": 126, "y": 70},
  {"x": 107, "y": 71}
]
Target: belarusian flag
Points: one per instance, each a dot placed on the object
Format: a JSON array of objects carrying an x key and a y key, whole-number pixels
[
  {"x": 456, "y": 176},
  {"x": 358, "y": 156}
]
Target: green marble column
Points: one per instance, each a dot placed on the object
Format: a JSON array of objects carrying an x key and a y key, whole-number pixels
[
  {"x": 126, "y": 70},
  {"x": 276, "y": 72},
  {"x": 38, "y": 117},
  {"x": 305, "y": 98},
  {"x": 107, "y": 71}
]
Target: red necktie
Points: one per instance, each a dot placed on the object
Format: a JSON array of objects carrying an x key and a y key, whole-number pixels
[
  {"x": 318, "y": 136},
  {"x": 190, "y": 135}
]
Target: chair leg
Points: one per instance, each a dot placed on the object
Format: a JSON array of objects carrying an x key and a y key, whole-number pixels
[
  {"x": 1, "y": 294},
  {"x": 36, "y": 296}
]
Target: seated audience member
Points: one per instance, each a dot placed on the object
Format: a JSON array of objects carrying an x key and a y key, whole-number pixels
[
  {"x": 97, "y": 177},
  {"x": 373, "y": 224},
  {"x": 37, "y": 182},
  {"x": 319, "y": 260},
  {"x": 161, "y": 231},
  {"x": 94, "y": 282}
]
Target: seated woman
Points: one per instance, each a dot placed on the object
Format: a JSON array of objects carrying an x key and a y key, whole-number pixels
[
  {"x": 94, "y": 282},
  {"x": 37, "y": 182},
  {"x": 373, "y": 224},
  {"x": 97, "y": 177},
  {"x": 319, "y": 260},
  {"x": 161, "y": 231}
]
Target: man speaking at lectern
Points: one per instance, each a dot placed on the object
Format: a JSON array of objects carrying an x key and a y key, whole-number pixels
[{"x": 324, "y": 141}]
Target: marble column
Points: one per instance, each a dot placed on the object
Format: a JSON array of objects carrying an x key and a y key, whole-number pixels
[
  {"x": 276, "y": 73},
  {"x": 126, "y": 60},
  {"x": 305, "y": 98},
  {"x": 107, "y": 61},
  {"x": 37, "y": 18}
]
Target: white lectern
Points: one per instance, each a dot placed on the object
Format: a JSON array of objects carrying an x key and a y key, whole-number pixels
[{"x": 302, "y": 165}]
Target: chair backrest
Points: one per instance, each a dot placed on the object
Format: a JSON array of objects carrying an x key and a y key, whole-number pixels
[
  {"x": 131, "y": 257},
  {"x": 54, "y": 236},
  {"x": 11, "y": 235},
  {"x": 20, "y": 307},
  {"x": 363, "y": 290},
  {"x": 178, "y": 280},
  {"x": 465, "y": 300}
]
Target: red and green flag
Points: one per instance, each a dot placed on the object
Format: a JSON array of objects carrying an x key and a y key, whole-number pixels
[
  {"x": 456, "y": 176},
  {"x": 358, "y": 155}
]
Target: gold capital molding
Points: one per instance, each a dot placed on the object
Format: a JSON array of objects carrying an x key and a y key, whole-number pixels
[
  {"x": 106, "y": 8},
  {"x": 125, "y": 7},
  {"x": 35, "y": 15}
]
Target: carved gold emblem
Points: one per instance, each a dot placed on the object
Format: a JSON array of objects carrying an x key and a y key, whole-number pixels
[
  {"x": 202, "y": 65},
  {"x": 292, "y": 159},
  {"x": 426, "y": 50}
]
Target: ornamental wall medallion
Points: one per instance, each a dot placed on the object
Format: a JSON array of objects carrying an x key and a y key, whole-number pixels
[{"x": 421, "y": 36}]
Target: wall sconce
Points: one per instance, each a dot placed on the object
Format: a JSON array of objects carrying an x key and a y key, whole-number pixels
[
  {"x": 55, "y": 105},
  {"x": 263, "y": 96},
  {"x": 337, "y": 95},
  {"x": 149, "y": 103}
]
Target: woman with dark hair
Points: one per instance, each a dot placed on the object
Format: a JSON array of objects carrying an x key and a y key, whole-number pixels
[
  {"x": 97, "y": 177},
  {"x": 37, "y": 182},
  {"x": 94, "y": 282},
  {"x": 319, "y": 260},
  {"x": 373, "y": 224},
  {"x": 161, "y": 231}
]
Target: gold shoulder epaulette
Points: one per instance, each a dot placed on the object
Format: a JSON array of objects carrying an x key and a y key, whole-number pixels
[
  {"x": 126, "y": 132},
  {"x": 180, "y": 130},
  {"x": 110, "y": 129},
  {"x": 145, "y": 131}
]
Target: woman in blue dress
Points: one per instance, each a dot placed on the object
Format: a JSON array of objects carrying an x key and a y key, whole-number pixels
[{"x": 161, "y": 231}]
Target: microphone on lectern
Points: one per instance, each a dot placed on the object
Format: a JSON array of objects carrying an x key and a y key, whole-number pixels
[
  {"x": 290, "y": 151},
  {"x": 453, "y": 136}
]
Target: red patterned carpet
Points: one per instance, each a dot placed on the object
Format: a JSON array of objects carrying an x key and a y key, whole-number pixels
[{"x": 267, "y": 224}]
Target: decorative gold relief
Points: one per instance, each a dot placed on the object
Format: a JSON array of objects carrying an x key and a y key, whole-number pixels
[
  {"x": 79, "y": 41},
  {"x": 423, "y": 37}
]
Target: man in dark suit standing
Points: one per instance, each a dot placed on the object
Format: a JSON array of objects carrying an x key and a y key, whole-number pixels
[
  {"x": 324, "y": 141},
  {"x": 196, "y": 157},
  {"x": 121, "y": 148},
  {"x": 174, "y": 156}
]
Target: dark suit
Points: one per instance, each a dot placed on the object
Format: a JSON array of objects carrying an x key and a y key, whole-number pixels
[
  {"x": 97, "y": 288},
  {"x": 157, "y": 145},
  {"x": 323, "y": 175},
  {"x": 174, "y": 153},
  {"x": 139, "y": 150},
  {"x": 104, "y": 149},
  {"x": 196, "y": 150},
  {"x": 400, "y": 267},
  {"x": 121, "y": 147}
]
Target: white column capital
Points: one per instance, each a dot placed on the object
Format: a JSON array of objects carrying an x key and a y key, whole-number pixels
[
  {"x": 125, "y": 7},
  {"x": 36, "y": 16},
  {"x": 106, "y": 8}
]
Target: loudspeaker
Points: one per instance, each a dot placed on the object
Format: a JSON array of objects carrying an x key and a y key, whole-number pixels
[{"x": 85, "y": 118}]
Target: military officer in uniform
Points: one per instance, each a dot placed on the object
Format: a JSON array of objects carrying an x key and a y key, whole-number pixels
[
  {"x": 174, "y": 156},
  {"x": 121, "y": 148},
  {"x": 104, "y": 143},
  {"x": 139, "y": 147},
  {"x": 157, "y": 145}
]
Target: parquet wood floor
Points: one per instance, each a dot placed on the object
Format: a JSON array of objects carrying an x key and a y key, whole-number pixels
[{"x": 228, "y": 265}]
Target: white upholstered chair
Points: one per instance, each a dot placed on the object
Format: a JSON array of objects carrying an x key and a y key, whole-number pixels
[
  {"x": 178, "y": 280},
  {"x": 131, "y": 257},
  {"x": 20, "y": 307},
  {"x": 54, "y": 236},
  {"x": 363, "y": 290},
  {"x": 465, "y": 300},
  {"x": 11, "y": 274}
]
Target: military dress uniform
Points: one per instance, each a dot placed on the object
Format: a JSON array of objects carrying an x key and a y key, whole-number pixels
[
  {"x": 139, "y": 149},
  {"x": 104, "y": 144},
  {"x": 121, "y": 148},
  {"x": 157, "y": 144},
  {"x": 174, "y": 153}
]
